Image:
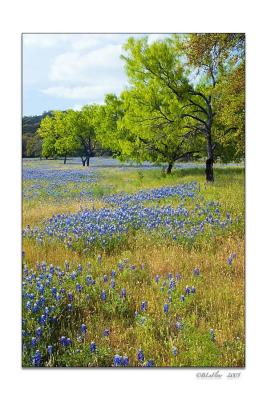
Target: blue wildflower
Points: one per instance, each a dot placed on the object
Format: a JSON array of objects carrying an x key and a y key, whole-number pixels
[
  {"x": 166, "y": 308},
  {"x": 144, "y": 306},
  {"x": 174, "y": 351},
  {"x": 149, "y": 363},
  {"x": 125, "y": 361},
  {"x": 50, "y": 349},
  {"x": 140, "y": 356},
  {"x": 117, "y": 360},
  {"x": 103, "y": 295},
  {"x": 92, "y": 347},
  {"x": 106, "y": 332},
  {"x": 84, "y": 328},
  {"x": 38, "y": 331},
  {"x": 37, "y": 358}
]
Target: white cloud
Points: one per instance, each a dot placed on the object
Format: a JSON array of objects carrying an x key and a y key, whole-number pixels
[
  {"x": 92, "y": 93},
  {"x": 77, "y": 107},
  {"x": 152, "y": 37},
  {"x": 76, "y": 66},
  {"x": 44, "y": 39}
]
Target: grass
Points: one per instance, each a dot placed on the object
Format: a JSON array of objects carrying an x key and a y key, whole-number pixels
[{"x": 217, "y": 304}]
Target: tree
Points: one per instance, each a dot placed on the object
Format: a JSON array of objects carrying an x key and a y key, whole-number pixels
[
  {"x": 166, "y": 61},
  {"x": 81, "y": 127},
  {"x": 214, "y": 56},
  {"x": 153, "y": 115}
]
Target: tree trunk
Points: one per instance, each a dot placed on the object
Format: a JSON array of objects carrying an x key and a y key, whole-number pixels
[
  {"x": 209, "y": 170},
  {"x": 209, "y": 161},
  {"x": 87, "y": 161},
  {"x": 65, "y": 158},
  {"x": 169, "y": 169}
]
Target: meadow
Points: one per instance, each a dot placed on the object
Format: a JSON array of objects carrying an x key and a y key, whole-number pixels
[{"x": 130, "y": 267}]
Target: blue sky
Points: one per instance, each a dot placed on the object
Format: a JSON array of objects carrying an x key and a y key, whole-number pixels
[{"x": 62, "y": 71}]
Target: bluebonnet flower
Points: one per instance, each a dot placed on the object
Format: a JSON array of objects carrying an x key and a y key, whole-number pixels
[
  {"x": 79, "y": 287},
  {"x": 58, "y": 297},
  {"x": 38, "y": 331},
  {"x": 125, "y": 361},
  {"x": 79, "y": 268},
  {"x": 92, "y": 347},
  {"x": 35, "y": 308},
  {"x": 140, "y": 356},
  {"x": 166, "y": 308},
  {"x": 113, "y": 273},
  {"x": 144, "y": 306},
  {"x": 43, "y": 319},
  {"x": 105, "y": 278},
  {"x": 157, "y": 279},
  {"x": 123, "y": 293},
  {"x": 70, "y": 296},
  {"x": 50, "y": 349},
  {"x": 178, "y": 277},
  {"x": 63, "y": 340},
  {"x": 230, "y": 260},
  {"x": 196, "y": 271},
  {"x": 187, "y": 290},
  {"x": 120, "y": 266},
  {"x": 54, "y": 291},
  {"x": 117, "y": 360},
  {"x": 169, "y": 276},
  {"x": 37, "y": 358},
  {"x": 84, "y": 328},
  {"x": 182, "y": 297},
  {"x": 172, "y": 284},
  {"x": 33, "y": 342},
  {"x": 68, "y": 342},
  {"x": 193, "y": 289},
  {"x": 106, "y": 332},
  {"x": 103, "y": 295},
  {"x": 149, "y": 363},
  {"x": 112, "y": 284},
  {"x": 174, "y": 351},
  {"x": 69, "y": 307},
  {"x": 28, "y": 305},
  {"x": 178, "y": 325},
  {"x": 73, "y": 275}
]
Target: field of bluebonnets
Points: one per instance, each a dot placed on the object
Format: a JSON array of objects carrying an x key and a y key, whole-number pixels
[{"x": 130, "y": 267}]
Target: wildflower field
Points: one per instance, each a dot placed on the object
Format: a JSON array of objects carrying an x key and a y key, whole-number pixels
[{"x": 130, "y": 267}]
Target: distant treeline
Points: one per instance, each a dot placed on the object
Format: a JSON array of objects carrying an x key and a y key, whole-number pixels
[{"x": 32, "y": 142}]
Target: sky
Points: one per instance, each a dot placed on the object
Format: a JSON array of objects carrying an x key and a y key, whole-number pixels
[{"x": 62, "y": 71}]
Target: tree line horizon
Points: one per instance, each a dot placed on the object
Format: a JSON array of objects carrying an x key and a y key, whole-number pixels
[{"x": 185, "y": 100}]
